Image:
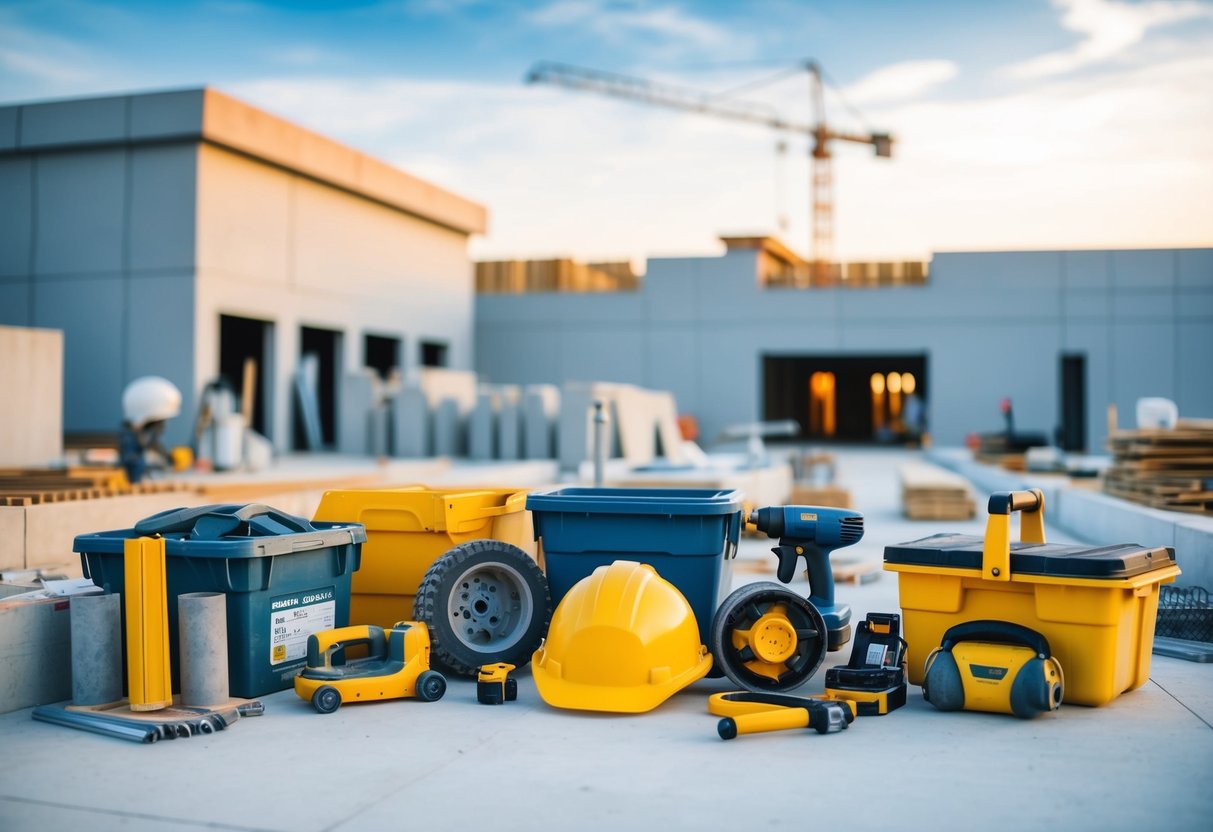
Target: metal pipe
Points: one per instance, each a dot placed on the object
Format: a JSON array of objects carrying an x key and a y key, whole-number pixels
[
  {"x": 600, "y": 420},
  {"x": 85, "y": 722}
]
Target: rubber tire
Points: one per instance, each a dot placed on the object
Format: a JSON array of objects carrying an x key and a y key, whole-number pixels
[
  {"x": 447, "y": 649},
  {"x": 725, "y": 655},
  {"x": 431, "y": 685},
  {"x": 326, "y": 699}
]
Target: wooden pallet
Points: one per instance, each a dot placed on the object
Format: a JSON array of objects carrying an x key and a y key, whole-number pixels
[
  {"x": 33, "y": 486},
  {"x": 929, "y": 492},
  {"x": 1165, "y": 469}
]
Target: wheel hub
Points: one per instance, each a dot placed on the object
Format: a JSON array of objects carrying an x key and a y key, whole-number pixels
[
  {"x": 486, "y": 607},
  {"x": 773, "y": 639}
]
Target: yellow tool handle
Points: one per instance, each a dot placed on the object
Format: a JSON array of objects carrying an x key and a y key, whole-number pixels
[{"x": 780, "y": 719}]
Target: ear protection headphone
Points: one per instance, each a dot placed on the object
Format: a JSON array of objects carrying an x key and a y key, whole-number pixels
[{"x": 993, "y": 666}]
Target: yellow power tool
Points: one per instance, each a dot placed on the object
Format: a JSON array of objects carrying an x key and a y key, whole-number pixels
[{"x": 746, "y": 712}]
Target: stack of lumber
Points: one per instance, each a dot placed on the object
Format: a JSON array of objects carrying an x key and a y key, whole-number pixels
[
  {"x": 929, "y": 492},
  {"x": 1167, "y": 469},
  {"x": 35, "y": 486},
  {"x": 560, "y": 275}
]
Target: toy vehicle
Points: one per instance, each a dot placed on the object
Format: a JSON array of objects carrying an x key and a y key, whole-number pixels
[{"x": 398, "y": 666}]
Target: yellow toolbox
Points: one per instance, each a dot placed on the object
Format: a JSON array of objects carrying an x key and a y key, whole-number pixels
[
  {"x": 1095, "y": 605},
  {"x": 407, "y": 529}
]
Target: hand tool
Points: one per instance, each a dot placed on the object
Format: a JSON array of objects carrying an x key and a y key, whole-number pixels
[
  {"x": 813, "y": 532},
  {"x": 494, "y": 685},
  {"x": 875, "y": 677},
  {"x": 746, "y": 712}
]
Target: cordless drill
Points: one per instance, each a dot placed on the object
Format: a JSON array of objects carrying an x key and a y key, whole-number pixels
[{"x": 813, "y": 532}]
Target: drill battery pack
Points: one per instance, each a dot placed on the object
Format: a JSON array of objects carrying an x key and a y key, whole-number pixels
[{"x": 875, "y": 677}]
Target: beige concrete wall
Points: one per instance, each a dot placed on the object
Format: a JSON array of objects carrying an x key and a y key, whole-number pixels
[
  {"x": 31, "y": 378},
  {"x": 279, "y": 247}
]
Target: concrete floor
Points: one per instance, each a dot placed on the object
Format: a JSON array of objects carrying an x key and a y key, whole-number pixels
[{"x": 1141, "y": 762}]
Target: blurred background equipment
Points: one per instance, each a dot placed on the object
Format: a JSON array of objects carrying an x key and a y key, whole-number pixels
[{"x": 147, "y": 405}]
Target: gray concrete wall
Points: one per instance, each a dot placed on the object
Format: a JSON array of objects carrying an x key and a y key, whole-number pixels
[
  {"x": 99, "y": 242},
  {"x": 992, "y": 324},
  {"x": 275, "y": 246}
]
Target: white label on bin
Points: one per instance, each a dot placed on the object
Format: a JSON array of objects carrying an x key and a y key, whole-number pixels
[{"x": 295, "y": 617}]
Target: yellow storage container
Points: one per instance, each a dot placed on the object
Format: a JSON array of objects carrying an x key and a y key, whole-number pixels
[
  {"x": 1095, "y": 605},
  {"x": 407, "y": 529}
]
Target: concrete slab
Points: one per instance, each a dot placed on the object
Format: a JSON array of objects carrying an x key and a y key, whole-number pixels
[{"x": 1139, "y": 762}]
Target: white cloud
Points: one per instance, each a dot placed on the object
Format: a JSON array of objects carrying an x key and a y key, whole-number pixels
[
  {"x": 901, "y": 81},
  {"x": 615, "y": 22},
  {"x": 38, "y": 67},
  {"x": 1109, "y": 28}
]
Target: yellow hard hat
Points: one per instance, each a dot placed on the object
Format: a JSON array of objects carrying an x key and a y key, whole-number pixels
[{"x": 623, "y": 639}]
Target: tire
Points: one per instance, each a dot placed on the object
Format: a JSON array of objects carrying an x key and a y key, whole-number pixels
[
  {"x": 791, "y": 617},
  {"x": 326, "y": 699},
  {"x": 484, "y": 602},
  {"x": 430, "y": 686}
]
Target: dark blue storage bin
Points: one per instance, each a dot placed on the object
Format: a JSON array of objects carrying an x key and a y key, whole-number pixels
[
  {"x": 689, "y": 535},
  {"x": 285, "y": 577}
]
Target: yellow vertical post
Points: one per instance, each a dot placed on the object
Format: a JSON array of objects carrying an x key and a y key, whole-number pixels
[{"x": 147, "y": 644}]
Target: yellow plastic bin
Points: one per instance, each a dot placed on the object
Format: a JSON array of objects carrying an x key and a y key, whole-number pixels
[
  {"x": 1095, "y": 605},
  {"x": 407, "y": 529}
]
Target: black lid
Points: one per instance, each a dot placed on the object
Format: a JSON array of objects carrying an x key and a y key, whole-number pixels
[{"x": 1070, "y": 560}]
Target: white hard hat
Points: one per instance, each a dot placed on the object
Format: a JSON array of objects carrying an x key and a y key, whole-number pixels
[{"x": 150, "y": 399}]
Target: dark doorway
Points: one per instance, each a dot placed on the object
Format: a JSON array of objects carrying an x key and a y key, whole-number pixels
[
  {"x": 382, "y": 353},
  {"x": 1072, "y": 430},
  {"x": 433, "y": 354},
  {"x": 241, "y": 340},
  {"x": 325, "y": 345},
  {"x": 854, "y": 398}
]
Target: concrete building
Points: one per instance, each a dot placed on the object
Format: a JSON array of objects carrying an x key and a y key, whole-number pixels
[
  {"x": 180, "y": 233},
  {"x": 1062, "y": 333}
]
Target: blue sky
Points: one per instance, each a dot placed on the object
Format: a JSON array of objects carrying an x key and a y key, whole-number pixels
[{"x": 1033, "y": 123}]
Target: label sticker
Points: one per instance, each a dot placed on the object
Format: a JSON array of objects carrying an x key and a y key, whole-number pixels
[
  {"x": 808, "y": 515},
  {"x": 875, "y": 655},
  {"x": 296, "y": 616}
]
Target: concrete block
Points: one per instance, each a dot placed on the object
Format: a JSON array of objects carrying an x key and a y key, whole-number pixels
[
  {"x": 35, "y": 651},
  {"x": 15, "y": 302},
  {"x": 1194, "y": 304},
  {"x": 166, "y": 114},
  {"x": 540, "y": 410},
  {"x": 159, "y": 341},
  {"x": 31, "y": 376},
  {"x": 410, "y": 423},
  {"x": 482, "y": 426},
  {"x": 1103, "y": 519},
  {"x": 81, "y": 199},
  {"x": 1194, "y": 552},
  {"x": 1144, "y": 269},
  {"x": 1143, "y": 362},
  {"x": 83, "y": 121},
  {"x": 90, "y": 312},
  {"x": 162, "y": 218},
  {"x": 357, "y": 399},
  {"x": 1086, "y": 269},
  {"x": 8, "y": 127},
  {"x": 16, "y": 216},
  {"x": 448, "y": 429},
  {"x": 509, "y": 429},
  {"x": 1138, "y": 305},
  {"x": 1195, "y": 267},
  {"x": 1194, "y": 392}
]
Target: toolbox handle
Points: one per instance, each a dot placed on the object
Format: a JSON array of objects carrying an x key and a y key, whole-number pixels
[
  {"x": 1005, "y": 502},
  {"x": 996, "y": 551},
  {"x": 998, "y": 632}
]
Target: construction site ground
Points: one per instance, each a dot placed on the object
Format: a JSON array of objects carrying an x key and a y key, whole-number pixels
[{"x": 1140, "y": 762}]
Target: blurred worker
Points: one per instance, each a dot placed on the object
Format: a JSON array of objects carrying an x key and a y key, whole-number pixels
[{"x": 147, "y": 404}]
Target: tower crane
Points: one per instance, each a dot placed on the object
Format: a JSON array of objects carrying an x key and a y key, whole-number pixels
[{"x": 821, "y": 183}]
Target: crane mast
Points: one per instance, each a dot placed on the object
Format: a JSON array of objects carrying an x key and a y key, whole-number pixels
[{"x": 821, "y": 185}]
